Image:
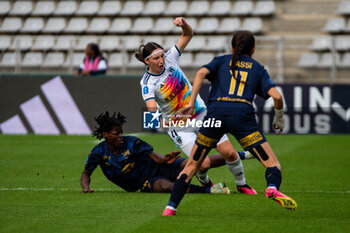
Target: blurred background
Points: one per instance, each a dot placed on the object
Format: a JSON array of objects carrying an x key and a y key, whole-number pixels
[{"x": 304, "y": 44}]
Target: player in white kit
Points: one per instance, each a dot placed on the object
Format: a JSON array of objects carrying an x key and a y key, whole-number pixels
[{"x": 166, "y": 88}]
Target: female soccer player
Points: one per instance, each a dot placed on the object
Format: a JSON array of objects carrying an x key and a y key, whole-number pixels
[
  {"x": 165, "y": 85},
  {"x": 235, "y": 79}
]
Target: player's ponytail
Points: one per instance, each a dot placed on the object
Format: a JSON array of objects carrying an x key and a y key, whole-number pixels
[
  {"x": 146, "y": 50},
  {"x": 243, "y": 43}
]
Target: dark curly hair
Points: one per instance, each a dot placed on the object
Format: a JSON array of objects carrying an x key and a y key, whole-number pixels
[{"x": 106, "y": 123}]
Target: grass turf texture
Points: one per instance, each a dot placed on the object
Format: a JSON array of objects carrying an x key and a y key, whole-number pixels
[{"x": 315, "y": 173}]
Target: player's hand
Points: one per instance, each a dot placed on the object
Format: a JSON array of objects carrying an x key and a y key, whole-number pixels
[
  {"x": 88, "y": 190},
  {"x": 278, "y": 122},
  {"x": 171, "y": 157},
  {"x": 180, "y": 22},
  {"x": 185, "y": 112}
]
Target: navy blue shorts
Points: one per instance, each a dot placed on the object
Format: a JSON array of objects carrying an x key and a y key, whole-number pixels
[
  {"x": 166, "y": 172},
  {"x": 242, "y": 126}
]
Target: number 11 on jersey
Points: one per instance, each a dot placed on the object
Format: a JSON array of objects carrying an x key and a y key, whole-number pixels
[{"x": 243, "y": 75}]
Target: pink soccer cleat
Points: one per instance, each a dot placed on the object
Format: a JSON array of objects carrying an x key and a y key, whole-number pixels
[
  {"x": 280, "y": 198},
  {"x": 169, "y": 212},
  {"x": 246, "y": 189}
]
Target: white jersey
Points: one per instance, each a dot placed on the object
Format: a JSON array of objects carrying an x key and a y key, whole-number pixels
[{"x": 171, "y": 88}]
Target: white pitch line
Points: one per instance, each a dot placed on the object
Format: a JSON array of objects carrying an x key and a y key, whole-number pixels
[{"x": 110, "y": 189}]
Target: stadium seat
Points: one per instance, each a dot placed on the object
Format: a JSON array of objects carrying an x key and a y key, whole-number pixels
[
  {"x": 196, "y": 44},
  {"x": 186, "y": 60},
  {"x": 344, "y": 8},
  {"x": 88, "y": 8},
  {"x": 154, "y": 8},
  {"x": 4, "y": 7},
  {"x": 156, "y": 39},
  {"x": 142, "y": 25},
  {"x": 65, "y": 43},
  {"x": 190, "y": 21},
  {"x": 252, "y": 24},
  {"x": 335, "y": 25},
  {"x": 116, "y": 60},
  {"x": 120, "y": 25},
  {"x": 98, "y": 25},
  {"x": 198, "y": 8},
  {"x": 11, "y": 25},
  {"x": 170, "y": 41},
  {"x": 55, "y": 25},
  {"x": 308, "y": 60},
  {"x": 321, "y": 43},
  {"x": 66, "y": 8},
  {"x": 131, "y": 43},
  {"x": 110, "y": 43},
  {"x": 326, "y": 60},
  {"x": 54, "y": 59},
  {"x": 5, "y": 42},
  {"x": 84, "y": 41},
  {"x": 110, "y": 8},
  {"x": 176, "y": 8},
  {"x": 345, "y": 63},
  {"x": 229, "y": 25},
  {"x": 22, "y": 43},
  {"x": 77, "y": 25},
  {"x": 22, "y": 8},
  {"x": 33, "y": 25},
  {"x": 208, "y": 25},
  {"x": 163, "y": 25},
  {"x": 76, "y": 59},
  {"x": 217, "y": 43},
  {"x": 134, "y": 63},
  {"x": 242, "y": 8},
  {"x": 44, "y": 8},
  {"x": 202, "y": 59},
  {"x": 342, "y": 43},
  {"x": 10, "y": 59},
  {"x": 44, "y": 43},
  {"x": 132, "y": 8},
  {"x": 264, "y": 8},
  {"x": 32, "y": 59},
  {"x": 220, "y": 8}
]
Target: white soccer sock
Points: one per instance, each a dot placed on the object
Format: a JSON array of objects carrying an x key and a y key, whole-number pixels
[
  {"x": 203, "y": 176},
  {"x": 236, "y": 168}
]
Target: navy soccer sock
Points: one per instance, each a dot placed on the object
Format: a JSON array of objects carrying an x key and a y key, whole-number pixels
[
  {"x": 179, "y": 189},
  {"x": 273, "y": 177},
  {"x": 198, "y": 189},
  {"x": 241, "y": 155}
]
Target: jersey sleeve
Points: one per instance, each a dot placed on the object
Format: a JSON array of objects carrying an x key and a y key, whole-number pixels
[
  {"x": 147, "y": 89},
  {"x": 266, "y": 84},
  {"x": 142, "y": 148},
  {"x": 92, "y": 160},
  {"x": 173, "y": 54},
  {"x": 213, "y": 69}
]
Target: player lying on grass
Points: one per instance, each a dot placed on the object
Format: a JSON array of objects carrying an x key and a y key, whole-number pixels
[
  {"x": 132, "y": 164},
  {"x": 166, "y": 88},
  {"x": 235, "y": 80}
]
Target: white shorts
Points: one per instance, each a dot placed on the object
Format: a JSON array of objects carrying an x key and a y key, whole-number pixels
[{"x": 185, "y": 140}]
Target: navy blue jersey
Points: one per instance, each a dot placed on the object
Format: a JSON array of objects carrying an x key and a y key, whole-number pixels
[
  {"x": 130, "y": 168},
  {"x": 225, "y": 89}
]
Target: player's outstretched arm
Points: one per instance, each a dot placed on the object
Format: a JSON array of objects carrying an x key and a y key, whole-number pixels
[
  {"x": 168, "y": 158},
  {"x": 85, "y": 181},
  {"x": 197, "y": 84},
  {"x": 187, "y": 33},
  {"x": 278, "y": 122}
]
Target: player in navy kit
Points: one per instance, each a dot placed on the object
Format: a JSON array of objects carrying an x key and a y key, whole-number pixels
[
  {"x": 131, "y": 163},
  {"x": 235, "y": 79}
]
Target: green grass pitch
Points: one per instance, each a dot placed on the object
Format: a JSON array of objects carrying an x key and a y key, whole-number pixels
[{"x": 40, "y": 190}]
